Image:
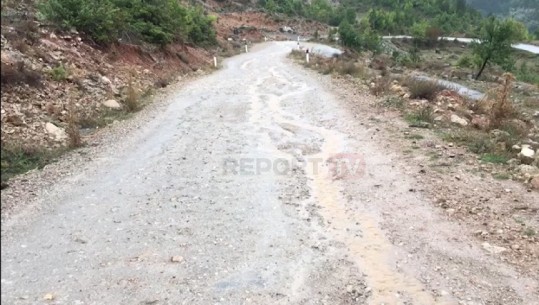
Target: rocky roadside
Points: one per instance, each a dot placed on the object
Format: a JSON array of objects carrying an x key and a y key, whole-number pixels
[
  {"x": 28, "y": 187},
  {"x": 501, "y": 215}
]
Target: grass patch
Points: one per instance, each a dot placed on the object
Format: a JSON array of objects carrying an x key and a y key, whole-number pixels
[
  {"x": 422, "y": 115},
  {"x": 502, "y": 176},
  {"x": 414, "y": 137},
  {"x": 477, "y": 142},
  {"x": 18, "y": 159},
  {"x": 495, "y": 158},
  {"x": 393, "y": 102},
  {"x": 530, "y": 232}
]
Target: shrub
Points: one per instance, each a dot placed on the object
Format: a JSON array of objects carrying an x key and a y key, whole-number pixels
[
  {"x": 132, "y": 99},
  {"x": 59, "y": 73},
  {"x": 524, "y": 74},
  {"x": 99, "y": 19},
  {"x": 502, "y": 108},
  {"x": 350, "y": 68},
  {"x": 423, "y": 89},
  {"x": 72, "y": 129},
  {"x": 159, "y": 21},
  {"x": 465, "y": 61},
  {"x": 424, "y": 114},
  {"x": 381, "y": 86}
]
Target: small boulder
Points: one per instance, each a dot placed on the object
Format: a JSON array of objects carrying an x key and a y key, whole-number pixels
[
  {"x": 528, "y": 169},
  {"x": 458, "y": 120},
  {"x": 58, "y": 132},
  {"x": 106, "y": 80},
  {"x": 176, "y": 259},
  {"x": 480, "y": 122},
  {"x": 526, "y": 155},
  {"x": 493, "y": 249},
  {"x": 113, "y": 104},
  {"x": 395, "y": 88},
  {"x": 534, "y": 182}
]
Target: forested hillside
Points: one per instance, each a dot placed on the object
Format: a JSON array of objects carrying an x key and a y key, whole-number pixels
[
  {"x": 449, "y": 17},
  {"x": 526, "y": 11}
]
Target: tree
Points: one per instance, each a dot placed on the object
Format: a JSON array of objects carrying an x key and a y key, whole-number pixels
[{"x": 496, "y": 38}]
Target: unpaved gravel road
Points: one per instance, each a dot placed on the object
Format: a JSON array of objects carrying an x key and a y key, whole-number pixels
[{"x": 177, "y": 212}]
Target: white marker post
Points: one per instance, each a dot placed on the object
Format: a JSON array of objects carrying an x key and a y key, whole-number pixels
[
  {"x": 265, "y": 38},
  {"x": 307, "y": 55},
  {"x": 215, "y": 61},
  {"x": 246, "y": 50}
]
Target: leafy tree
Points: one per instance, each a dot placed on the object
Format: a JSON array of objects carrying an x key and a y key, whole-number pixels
[
  {"x": 349, "y": 37},
  {"x": 495, "y": 42},
  {"x": 359, "y": 38}
]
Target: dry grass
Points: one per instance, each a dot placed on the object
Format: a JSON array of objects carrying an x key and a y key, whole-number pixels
[
  {"x": 162, "y": 82},
  {"x": 350, "y": 68},
  {"x": 423, "y": 89},
  {"x": 339, "y": 65},
  {"x": 502, "y": 108},
  {"x": 421, "y": 115},
  {"x": 72, "y": 128},
  {"x": 131, "y": 101},
  {"x": 381, "y": 86}
]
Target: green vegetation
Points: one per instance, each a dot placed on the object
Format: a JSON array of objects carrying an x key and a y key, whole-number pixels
[
  {"x": 59, "y": 73},
  {"x": 414, "y": 136},
  {"x": 495, "y": 158},
  {"x": 361, "y": 22},
  {"x": 427, "y": 17},
  {"x": 496, "y": 38},
  {"x": 17, "y": 160},
  {"x": 525, "y": 11},
  {"x": 419, "y": 116},
  {"x": 157, "y": 21},
  {"x": 502, "y": 176}
]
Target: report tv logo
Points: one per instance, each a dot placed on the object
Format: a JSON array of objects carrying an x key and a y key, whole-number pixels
[{"x": 340, "y": 166}]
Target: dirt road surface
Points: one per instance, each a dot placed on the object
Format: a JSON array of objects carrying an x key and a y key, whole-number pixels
[{"x": 252, "y": 185}]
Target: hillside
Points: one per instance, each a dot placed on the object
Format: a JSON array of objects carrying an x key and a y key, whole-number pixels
[{"x": 526, "y": 11}]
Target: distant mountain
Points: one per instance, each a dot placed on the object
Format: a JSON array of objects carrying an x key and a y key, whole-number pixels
[{"x": 526, "y": 11}]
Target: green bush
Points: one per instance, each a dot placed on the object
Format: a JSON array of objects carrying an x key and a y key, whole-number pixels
[
  {"x": 97, "y": 18},
  {"x": 525, "y": 74},
  {"x": 466, "y": 61},
  {"x": 359, "y": 39},
  {"x": 59, "y": 73},
  {"x": 157, "y": 21}
]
